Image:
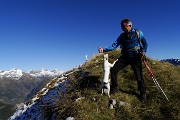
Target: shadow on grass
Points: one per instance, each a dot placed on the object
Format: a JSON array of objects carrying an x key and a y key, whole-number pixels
[
  {"x": 130, "y": 93},
  {"x": 91, "y": 82}
]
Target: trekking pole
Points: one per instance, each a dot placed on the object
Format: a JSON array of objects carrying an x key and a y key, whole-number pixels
[{"x": 152, "y": 76}]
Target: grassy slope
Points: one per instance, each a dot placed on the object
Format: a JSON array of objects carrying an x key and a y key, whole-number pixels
[
  {"x": 95, "y": 107},
  {"x": 6, "y": 110}
]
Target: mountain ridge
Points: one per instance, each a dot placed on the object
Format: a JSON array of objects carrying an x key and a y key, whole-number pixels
[{"x": 82, "y": 100}]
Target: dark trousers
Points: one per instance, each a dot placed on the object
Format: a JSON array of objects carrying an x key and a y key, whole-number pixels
[{"x": 136, "y": 65}]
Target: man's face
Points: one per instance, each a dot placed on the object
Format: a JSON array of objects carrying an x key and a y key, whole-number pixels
[{"x": 125, "y": 27}]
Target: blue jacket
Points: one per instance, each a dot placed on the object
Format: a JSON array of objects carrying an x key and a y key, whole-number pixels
[{"x": 127, "y": 42}]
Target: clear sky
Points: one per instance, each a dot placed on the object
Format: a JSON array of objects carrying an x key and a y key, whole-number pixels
[{"x": 57, "y": 34}]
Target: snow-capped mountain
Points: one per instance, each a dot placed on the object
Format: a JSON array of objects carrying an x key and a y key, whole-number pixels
[
  {"x": 13, "y": 73},
  {"x": 17, "y": 73},
  {"x": 45, "y": 73},
  {"x": 16, "y": 85},
  {"x": 172, "y": 61}
]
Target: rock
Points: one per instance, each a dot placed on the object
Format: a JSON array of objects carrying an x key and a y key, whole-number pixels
[
  {"x": 112, "y": 103},
  {"x": 70, "y": 118},
  {"x": 78, "y": 99},
  {"x": 121, "y": 103}
]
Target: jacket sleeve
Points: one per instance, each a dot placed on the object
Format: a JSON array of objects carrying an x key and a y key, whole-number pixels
[
  {"x": 113, "y": 46},
  {"x": 143, "y": 42}
]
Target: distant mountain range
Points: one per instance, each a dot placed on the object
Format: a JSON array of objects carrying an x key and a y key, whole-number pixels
[
  {"x": 17, "y": 73},
  {"x": 172, "y": 61},
  {"x": 16, "y": 86}
]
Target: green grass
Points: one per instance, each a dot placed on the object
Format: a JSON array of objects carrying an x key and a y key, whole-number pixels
[{"x": 94, "y": 106}]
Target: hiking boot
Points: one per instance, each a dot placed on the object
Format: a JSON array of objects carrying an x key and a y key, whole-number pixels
[{"x": 113, "y": 90}]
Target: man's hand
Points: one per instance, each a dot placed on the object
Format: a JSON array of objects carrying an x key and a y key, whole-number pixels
[
  {"x": 100, "y": 50},
  {"x": 143, "y": 53},
  {"x": 143, "y": 56}
]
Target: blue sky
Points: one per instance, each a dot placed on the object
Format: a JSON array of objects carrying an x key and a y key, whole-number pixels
[{"x": 57, "y": 34}]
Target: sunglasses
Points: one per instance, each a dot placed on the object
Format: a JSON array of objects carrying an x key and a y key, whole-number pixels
[{"x": 124, "y": 26}]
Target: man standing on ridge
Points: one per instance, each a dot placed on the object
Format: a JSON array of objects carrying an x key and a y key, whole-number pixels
[{"x": 133, "y": 45}]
